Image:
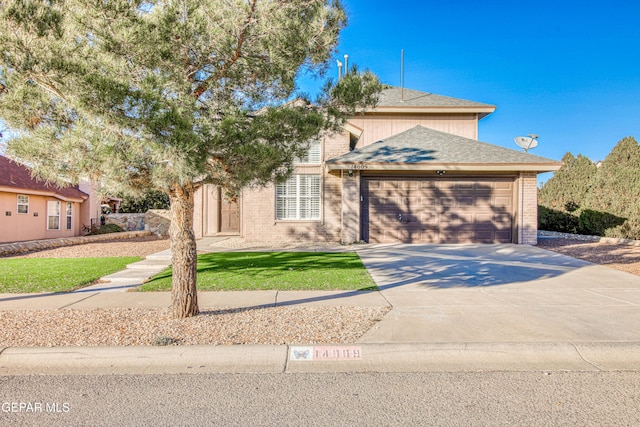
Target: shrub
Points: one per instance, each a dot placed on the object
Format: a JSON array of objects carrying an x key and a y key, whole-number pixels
[
  {"x": 554, "y": 220},
  {"x": 598, "y": 223},
  {"x": 108, "y": 228}
]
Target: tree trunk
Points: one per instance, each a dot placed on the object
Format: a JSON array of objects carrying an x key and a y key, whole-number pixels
[{"x": 184, "y": 297}]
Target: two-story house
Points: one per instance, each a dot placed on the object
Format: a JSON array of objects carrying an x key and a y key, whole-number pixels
[{"x": 409, "y": 170}]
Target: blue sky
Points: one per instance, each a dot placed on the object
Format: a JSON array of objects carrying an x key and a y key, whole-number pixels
[{"x": 568, "y": 71}]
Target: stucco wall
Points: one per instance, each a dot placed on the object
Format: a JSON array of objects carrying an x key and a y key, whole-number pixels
[{"x": 17, "y": 227}]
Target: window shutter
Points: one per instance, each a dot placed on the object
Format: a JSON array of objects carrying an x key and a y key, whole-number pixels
[
  {"x": 299, "y": 198},
  {"x": 312, "y": 157}
]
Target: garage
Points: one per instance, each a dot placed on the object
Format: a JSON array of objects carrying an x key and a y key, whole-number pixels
[{"x": 437, "y": 210}]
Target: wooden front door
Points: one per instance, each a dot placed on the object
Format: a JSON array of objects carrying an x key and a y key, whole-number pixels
[{"x": 229, "y": 216}]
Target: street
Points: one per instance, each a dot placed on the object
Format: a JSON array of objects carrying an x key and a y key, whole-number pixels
[{"x": 443, "y": 399}]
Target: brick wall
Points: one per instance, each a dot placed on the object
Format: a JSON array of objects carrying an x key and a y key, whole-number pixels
[{"x": 258, "y": 221}]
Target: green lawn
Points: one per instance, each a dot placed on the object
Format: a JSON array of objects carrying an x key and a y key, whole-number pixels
[
  {"x": 19, "y": 275},
  {"x": 232, "y": 271}
]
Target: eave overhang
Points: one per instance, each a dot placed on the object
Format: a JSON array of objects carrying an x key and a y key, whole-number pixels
[
  {"x": 461, "y": 167},
  {"x": 480, "y": 111},
  {"x": 29, "y": 192}
]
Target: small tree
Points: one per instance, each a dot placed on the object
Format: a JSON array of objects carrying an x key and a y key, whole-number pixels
[{"x": 170, "y": 95}]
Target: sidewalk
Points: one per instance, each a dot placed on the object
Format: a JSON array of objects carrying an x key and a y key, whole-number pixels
[{"x": 530, "y": 309}]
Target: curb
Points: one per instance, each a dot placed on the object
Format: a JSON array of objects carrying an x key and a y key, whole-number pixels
[{"x": 441, "y": 357}]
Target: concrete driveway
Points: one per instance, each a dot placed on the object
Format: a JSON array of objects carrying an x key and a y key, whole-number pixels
[{"x": 499, "y": 293}]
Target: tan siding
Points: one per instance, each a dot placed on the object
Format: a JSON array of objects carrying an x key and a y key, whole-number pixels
[{"x": 377, "y": 127}]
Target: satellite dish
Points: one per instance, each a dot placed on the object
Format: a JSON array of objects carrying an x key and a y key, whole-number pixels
[{"x": 526, "y": 143}]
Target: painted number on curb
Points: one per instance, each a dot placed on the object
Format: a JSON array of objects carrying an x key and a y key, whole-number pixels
[{"x": 310, "y": 353}]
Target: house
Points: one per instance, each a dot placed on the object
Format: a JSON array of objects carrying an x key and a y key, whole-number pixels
[
  {"x": 31, "y": 209},
  {"x": 409, "y": 170}
]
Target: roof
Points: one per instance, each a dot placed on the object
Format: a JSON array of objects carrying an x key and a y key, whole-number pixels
[
  {"x": 16, "y": 177},
  {"x": 421, "y": 148},
  {"x": 395, "y": 99}
]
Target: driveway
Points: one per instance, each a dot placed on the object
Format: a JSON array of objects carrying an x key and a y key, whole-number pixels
[{"x": 499, "y": 293}]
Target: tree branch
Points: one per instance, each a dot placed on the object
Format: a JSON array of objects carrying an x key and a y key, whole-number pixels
[{"x": 202, "y": 88}]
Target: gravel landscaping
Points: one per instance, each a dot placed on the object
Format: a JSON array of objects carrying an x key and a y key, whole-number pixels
[
  {"x": 625, "y": 257},
  {"x": 122, "y": 327}
]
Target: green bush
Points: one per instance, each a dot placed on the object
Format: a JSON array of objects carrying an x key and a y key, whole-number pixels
[
  {"x": 554, "y": 220},
  {"x": 598, "y": 223},
  {"x": 108, "y": 228}
]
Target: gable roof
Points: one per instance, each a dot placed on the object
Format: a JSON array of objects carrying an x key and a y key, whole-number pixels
[
  {"x": 395, "y": 99},
  {"x": 16, "y": 178},
  {"x": 421, "y": 148}
]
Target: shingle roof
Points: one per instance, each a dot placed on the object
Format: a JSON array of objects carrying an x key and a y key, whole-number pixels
[
  {"x": 425, "y": 148},
  {"x": 17, "y": 176},
  {"x": 393, "y": 97}
]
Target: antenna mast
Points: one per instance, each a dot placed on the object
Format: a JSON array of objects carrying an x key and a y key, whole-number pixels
[{"x": 402, "y": 75}]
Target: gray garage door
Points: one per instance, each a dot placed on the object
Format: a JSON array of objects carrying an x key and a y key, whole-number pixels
[{"x": 435, "y": 210}]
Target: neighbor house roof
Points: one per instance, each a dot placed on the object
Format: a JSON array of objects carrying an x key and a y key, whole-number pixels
[
  {"x": 421, "y": 148},
  {"x": 16, "y": 178},
  {"x": 395, "y": 99}
]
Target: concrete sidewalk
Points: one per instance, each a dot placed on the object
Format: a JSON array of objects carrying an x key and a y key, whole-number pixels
[{"x": 455, "y": 308}]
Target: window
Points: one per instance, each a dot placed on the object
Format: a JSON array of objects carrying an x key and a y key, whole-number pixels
[
  {"x": 23, "y": 204},
  {"x": 69, "y": 211},
  {"x": 312, "y": 157},
  {"x": 299, "y": 198},
  {"x": 53, "y": 215}
]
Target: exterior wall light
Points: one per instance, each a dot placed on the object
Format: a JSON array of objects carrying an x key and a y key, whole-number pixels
[{"x": 440, "y": 172}]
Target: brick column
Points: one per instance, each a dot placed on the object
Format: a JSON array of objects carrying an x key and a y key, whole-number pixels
[
  {"x": 350, "y": 230},
  {"x": 528, "y": 209}
]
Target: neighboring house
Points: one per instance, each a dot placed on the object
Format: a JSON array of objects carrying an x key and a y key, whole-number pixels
[
  {"x": 31, "y": 210},
  {"x": 410, "y": 170}
]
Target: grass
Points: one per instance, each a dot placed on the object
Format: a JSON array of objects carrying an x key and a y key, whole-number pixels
[
  {"x": 234, "y": 271},
  {"x": 25, "y": 275}
]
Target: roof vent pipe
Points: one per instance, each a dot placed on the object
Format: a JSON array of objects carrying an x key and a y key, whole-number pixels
[
  {"x": 339, "y": 70},
  {"x": 346, "y": 64}
]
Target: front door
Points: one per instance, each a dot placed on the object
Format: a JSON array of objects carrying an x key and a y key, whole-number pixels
[{"x": 229, "y": 216}]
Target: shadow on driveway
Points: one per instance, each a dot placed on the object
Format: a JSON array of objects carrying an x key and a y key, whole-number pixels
[{"x": 462, "y": 265}]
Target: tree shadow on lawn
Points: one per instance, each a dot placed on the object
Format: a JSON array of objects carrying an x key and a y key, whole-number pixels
[{"x": 279, "y": 270}]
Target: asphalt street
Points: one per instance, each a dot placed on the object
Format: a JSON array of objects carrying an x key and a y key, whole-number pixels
[{"x": 533, "y": 398}]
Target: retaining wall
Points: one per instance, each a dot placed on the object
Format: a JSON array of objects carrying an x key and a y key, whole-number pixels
[{"x": 37, "y": 245}]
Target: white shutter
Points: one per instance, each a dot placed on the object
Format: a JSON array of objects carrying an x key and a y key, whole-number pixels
[
  {"x": 286, "y": 199},
  {"x": 298, "y": 198},
  {"x": 309, "y": 196},
  {"x": 312, "y": 157}
]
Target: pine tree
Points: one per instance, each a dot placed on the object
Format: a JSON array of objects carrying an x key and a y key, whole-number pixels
[
  {"x": 616, "y": 190},
  {"x": 170, "y": 95},
  {"x": 567, "y": 190}
]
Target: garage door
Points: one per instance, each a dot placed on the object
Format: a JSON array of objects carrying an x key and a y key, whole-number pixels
[{"x": 437, "y": 210}]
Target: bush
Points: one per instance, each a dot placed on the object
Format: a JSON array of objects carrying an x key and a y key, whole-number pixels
[
  {"x": 554, "y": 220},
  {"x": 598, "y": 223},
  {"x": 152, "y": 199},
  {"x": 108, "y": 228}
]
